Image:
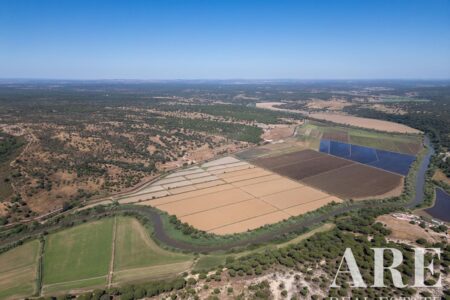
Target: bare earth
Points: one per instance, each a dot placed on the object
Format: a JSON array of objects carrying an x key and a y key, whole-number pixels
[
  {"x": 244, "y": 197},
  {"x": 278, "y": 132},
  {"x": 402, "y": 230},
  {"x": 439, "y": 175},
  {"x": 365, "y": 123}
]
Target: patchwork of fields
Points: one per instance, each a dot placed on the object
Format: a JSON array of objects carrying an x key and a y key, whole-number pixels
[
  {"x": 82, "y": 257},
  {"x": 334, "y": 175},
  {"x": 401, "y": 143},
  {"x": 240, "y": 197},
  {"x": 273, "y": 182}
]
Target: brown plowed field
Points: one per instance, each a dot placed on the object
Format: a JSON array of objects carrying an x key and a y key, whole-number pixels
[
  {"x": 310, "y": 206},
  {"x": 228, "y": 214},
  {"x": 294, "y": 197},
  {"x": 191, "y": 194},
  {"x": 271, "y": 162},
  {"x": 340, "y": 136},
  {"x": 267, "y": 178},
  {"x": 276, "y": 186},
  {"x": 252, "y": 223},
  {"x": 202, "y": 203},
  {"x": 239, "y": 198},
  {"x": 355, "y": 181},
  {"x": 260, "y": 173},
  {"x": 312, "y": 167},
  {"x": 341, "y": 177}
]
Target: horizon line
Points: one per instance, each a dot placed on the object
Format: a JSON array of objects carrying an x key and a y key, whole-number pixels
[{"x": 226, "y": 79}]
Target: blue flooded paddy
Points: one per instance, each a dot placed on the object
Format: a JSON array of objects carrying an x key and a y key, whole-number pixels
[
  {"x": 441, "y": 208},
  {"x": 390, "y": 161}
]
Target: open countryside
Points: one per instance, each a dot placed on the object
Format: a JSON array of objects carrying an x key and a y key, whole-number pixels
[{"x": 224, "y": 150}]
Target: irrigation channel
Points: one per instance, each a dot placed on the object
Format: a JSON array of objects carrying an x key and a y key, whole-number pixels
[{"x": 160, "y": 234}]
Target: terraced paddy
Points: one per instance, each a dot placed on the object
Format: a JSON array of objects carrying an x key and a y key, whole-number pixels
[
  {"x": 239, "y": 197},
  {"x": 82, "y": 257}
]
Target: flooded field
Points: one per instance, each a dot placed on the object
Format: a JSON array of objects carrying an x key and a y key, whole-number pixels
[{"x": 441, "y": 208}]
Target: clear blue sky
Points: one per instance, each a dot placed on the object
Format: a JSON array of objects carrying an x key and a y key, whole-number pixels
[{"x": 215, "y": 39}]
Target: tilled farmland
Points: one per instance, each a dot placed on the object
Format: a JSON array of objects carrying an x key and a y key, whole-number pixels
[
  {"x": 227, "y": 196},
  {"x": 341, "y": 177}
]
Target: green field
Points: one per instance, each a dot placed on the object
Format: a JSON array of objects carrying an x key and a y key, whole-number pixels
[
  {"x": 18, "y": 271},
  {"x": 138, "y": 257},
  {"x": 80, "y": 257},
  {"x": 135, "y": 248},
  {"x": 78, "y": 253},
  {"x": 403, "y": 143}
]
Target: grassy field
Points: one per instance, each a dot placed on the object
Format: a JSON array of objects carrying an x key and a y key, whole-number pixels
[
  {"x": 78, "y": 253},
  {"x": 18, "y": 271},
  {"x": 136, "y": 250},
  {"x": 151, "y": 273},
  {"x": 313, "y": 130},
  {"x": 79, "y": 257}
]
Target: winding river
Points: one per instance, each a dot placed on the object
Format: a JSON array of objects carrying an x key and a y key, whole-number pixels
[{"x": 161, "y": 234}]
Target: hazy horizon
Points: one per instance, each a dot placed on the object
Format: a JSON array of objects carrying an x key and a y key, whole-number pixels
[{"x": 225, "y": 40}]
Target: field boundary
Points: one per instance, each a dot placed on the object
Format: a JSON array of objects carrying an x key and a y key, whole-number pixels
[
  {"x": 40, "y": 267},
  {"x": 71, "y": 281},
  {"x": 113, "y": 253}
]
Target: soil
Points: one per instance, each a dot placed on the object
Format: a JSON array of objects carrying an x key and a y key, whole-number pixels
[
  {"x": 278, "y": 133},
  {"x": 364, "y": 123},
  {"x": 356, "y": 181},
  {"x": 402, "y": 230}
]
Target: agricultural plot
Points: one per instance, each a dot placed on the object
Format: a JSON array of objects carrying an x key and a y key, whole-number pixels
[
  {"x": 341, "y": 177},
  {"x": 81, "y": 257},
  {"x": 401, "y": 143},
  {"x": 18, "y": 271},
  {"x": 380, "y": 125},
  {"x": 390, "y": 161},
  {"x": 79, "y": 253},
  {"x": 336, "y": 135},
  {"x": 249, "y": 197},
  {"x": 137, "y": 255},
  {"x": 190, "y": 179}
]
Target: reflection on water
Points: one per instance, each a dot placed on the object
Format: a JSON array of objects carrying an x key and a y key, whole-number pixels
[{"x": 441, "y": 208}]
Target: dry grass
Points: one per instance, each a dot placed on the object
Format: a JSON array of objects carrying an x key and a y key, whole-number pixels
[
  {"x": 18, "y": 271},
  {"x": 440, "y": 176},
  {"x": 364, "y": 123},
  {"x": 404, "y": 231}
]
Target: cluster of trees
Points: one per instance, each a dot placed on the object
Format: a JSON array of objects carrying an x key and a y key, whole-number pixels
[
  {"x": 232, "y": 112},
  {"x": 330, "y": 246},
  {"x": 187, "y": 229},
  {"x": 129, "y": 292},
  {"x": 442, "y": 162},
  {"x": 238, "y": 132},
  {"x": 8, "y": 145}
]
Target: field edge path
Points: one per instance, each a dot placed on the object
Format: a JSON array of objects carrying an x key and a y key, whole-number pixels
[{"x": 113, "y": 253}]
